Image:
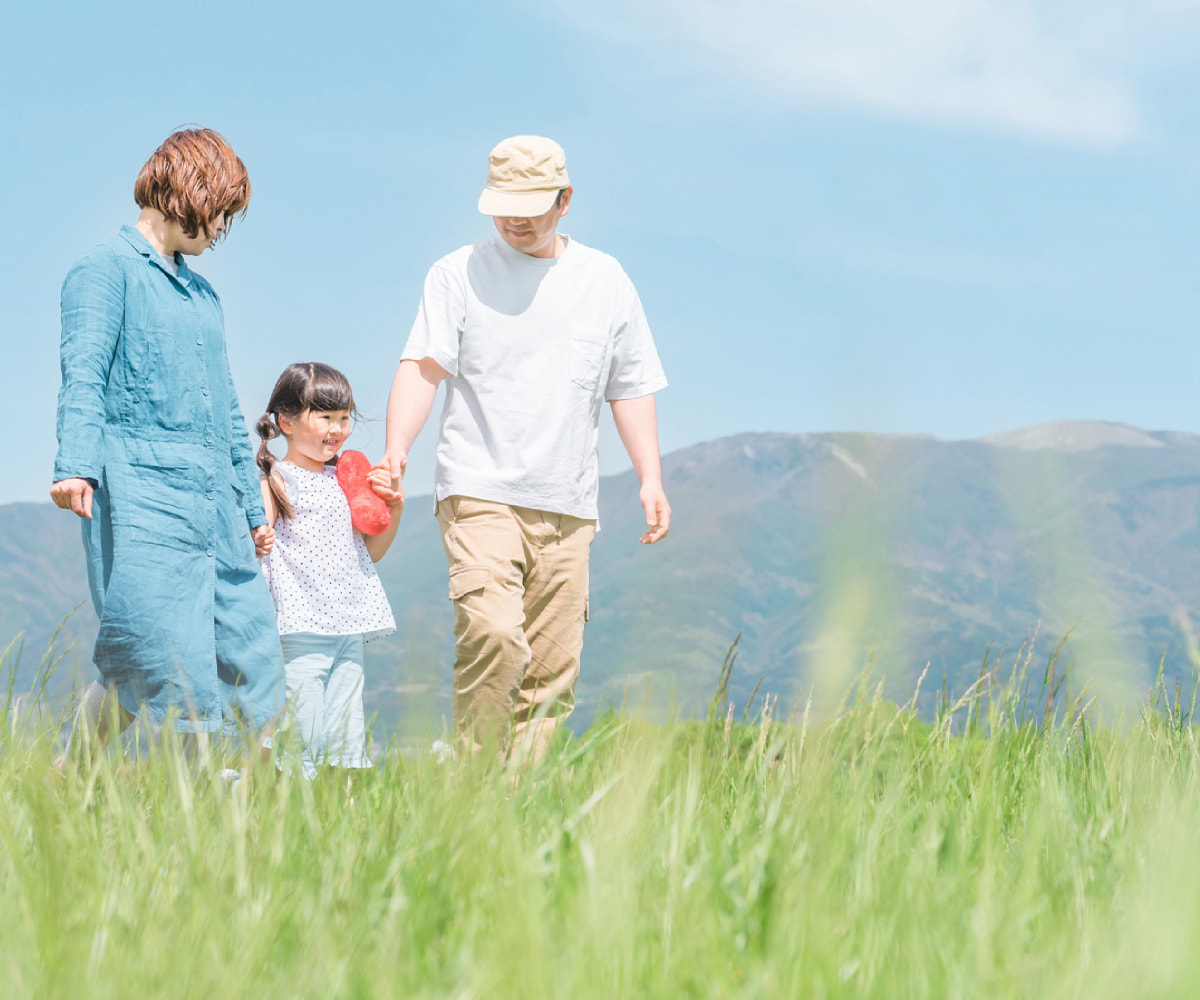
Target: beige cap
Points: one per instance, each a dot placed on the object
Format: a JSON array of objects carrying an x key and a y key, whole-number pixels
[{"x": 525, "y": 174}]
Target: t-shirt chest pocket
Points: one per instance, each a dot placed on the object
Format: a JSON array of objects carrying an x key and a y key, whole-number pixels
[{"x": 586, "y": 362}]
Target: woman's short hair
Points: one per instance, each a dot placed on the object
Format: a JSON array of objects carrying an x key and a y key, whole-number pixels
[{"x": 194, "y": 178}]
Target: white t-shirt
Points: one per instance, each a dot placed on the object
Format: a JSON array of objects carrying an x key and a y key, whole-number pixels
[
  {"x": 534, "y": 347},
  {"x": 320, "y": 573}
]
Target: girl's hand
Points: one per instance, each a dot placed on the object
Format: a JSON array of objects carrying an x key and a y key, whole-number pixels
[
  {"x": 386, "y": 487},
  {"x": 264, "y": 540},
  {"x": 73, "y": 494}
]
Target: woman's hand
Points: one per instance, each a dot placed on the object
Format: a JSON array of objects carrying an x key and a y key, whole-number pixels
[
  {"x": 73, "y": 494},
  {"x": 264, "y": 540}
]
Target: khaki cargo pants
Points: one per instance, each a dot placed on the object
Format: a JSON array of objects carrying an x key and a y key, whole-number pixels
[{"x": 519, "y": 583}]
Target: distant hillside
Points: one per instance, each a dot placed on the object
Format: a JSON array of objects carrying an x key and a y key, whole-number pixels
[{"x": 826, "y": 551}]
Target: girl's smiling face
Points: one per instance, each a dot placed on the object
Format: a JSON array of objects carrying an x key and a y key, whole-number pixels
[{"x": 315, "y": 437}]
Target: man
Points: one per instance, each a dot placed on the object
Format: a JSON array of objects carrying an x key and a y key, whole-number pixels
[{"x": 532, "y": 332}]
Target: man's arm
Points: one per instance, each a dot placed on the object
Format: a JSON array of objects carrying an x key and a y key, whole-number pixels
[
  {"x": 637, "y": 423},
  {"x": 413, "y": 391}
]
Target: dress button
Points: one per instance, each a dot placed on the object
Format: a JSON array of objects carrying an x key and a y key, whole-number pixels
[
  {"x": 204, "y": 391},
  {"x": 200, "y": 341},
  {"x": 211, "y": 496},
  {"x": 210, "y": 552}
]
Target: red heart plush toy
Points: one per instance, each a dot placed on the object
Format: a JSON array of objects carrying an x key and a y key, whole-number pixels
[{"x": 369, "y": 513}]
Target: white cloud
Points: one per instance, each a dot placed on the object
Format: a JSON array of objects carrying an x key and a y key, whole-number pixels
[{"x": 1063, "y": 70}]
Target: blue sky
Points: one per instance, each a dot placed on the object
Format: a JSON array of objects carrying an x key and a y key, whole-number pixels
[{"x": 951, "y": 217}]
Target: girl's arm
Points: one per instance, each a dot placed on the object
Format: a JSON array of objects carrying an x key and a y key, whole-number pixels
[
  {"x": 268, "y": 500},
  {"x": 380, "y": 478},
  {"x": 264, "y": 534}
]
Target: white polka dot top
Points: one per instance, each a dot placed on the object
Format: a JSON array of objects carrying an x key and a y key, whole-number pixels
[{"x": 321, "y": 576}]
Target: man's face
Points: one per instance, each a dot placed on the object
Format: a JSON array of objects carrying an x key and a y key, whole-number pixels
[{"x": 537, "y": 236}]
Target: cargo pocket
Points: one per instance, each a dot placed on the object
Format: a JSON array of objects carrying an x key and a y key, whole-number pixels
[{"x": 467, "y": 580}]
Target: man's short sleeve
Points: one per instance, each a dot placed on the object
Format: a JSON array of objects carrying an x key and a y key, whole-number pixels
[
  {"x": 440, "y": 320},
  {"x": 635, "y": 370}
]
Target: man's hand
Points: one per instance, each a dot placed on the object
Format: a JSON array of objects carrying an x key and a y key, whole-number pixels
[
  {"x": 411, "y": 398},
  {"x": 264, "y": 540},
  {"x": 658, "y": 512},
  {"x": 397, "y": 460},
  {"x": 74, "y": 495},
  {"x": 385, "y": 485},
  {"x": 638, "y": 426},
  {"x": 389, "y": 489}
]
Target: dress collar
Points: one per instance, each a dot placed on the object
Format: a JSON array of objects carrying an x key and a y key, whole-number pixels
[{"x": 135, "y": 239}]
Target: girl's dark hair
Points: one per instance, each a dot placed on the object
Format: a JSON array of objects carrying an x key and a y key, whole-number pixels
[{"x": 307, "y": 386}]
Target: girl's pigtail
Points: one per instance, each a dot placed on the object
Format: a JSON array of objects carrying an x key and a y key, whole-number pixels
[{"x": 267, "y": 429}]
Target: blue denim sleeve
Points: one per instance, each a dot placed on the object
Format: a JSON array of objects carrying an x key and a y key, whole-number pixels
[
  {"x": 244, "y": 466},
  {"x": 245, "y": 469},
  {"x": 93, "y": 310}
]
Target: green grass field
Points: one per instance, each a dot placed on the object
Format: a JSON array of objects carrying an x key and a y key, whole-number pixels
[{"x": 864, "y": 854}]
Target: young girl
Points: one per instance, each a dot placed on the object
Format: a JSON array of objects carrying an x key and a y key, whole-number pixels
[
  {"x": 328, "y": 598},
  {"x": 153, "y": 457}
]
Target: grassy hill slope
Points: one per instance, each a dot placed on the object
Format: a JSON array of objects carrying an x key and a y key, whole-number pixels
[{"x": 825, "y": 551}]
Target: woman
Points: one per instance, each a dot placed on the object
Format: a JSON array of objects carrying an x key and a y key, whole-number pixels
[{"x": 153, "y": 456}]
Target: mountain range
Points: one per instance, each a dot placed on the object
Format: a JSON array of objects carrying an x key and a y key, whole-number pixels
[{"x": 833, "y": 556}]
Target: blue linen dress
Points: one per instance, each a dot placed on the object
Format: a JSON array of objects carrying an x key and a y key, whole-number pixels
[{"x": 148, "y": 412}]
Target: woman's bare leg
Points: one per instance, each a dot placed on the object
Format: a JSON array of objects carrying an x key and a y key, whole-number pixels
[{"x": 99, "y": 719}]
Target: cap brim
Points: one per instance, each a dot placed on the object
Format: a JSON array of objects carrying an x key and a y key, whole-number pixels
[{"x": 521, "y": 204}]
